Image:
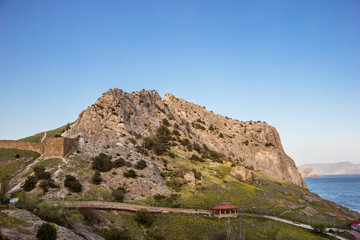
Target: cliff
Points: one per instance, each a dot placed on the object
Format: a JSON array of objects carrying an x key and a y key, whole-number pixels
[
  {"x": 307, "y": 172},
  {"x": 118, "y": 121},
  {"x": 335, "y": 168}
]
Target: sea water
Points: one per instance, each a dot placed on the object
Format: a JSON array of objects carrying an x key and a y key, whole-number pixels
[{"x": 341, "y": 189}]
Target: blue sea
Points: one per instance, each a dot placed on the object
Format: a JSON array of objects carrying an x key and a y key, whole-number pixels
[{"x": 342, "y": 189}]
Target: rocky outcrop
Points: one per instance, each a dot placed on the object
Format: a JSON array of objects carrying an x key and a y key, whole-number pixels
[
  {"x": 32, "y": 225},
  {"x": 242, "y": 174},
  {"x": 118, "y": 121},
  {"x": 307, "y": 172}
]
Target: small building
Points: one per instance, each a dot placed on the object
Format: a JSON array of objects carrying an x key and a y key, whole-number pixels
[
  {"x": 355, "y": 225},
  {"x": 225, "y": 211},
  {"x": 13, "y": 201}
]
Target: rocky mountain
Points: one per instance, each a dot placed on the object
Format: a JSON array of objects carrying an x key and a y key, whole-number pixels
[
  {"x": 119, "y": 122},
  {"x": 335, "y": 168},
  {"x": 307, "y": 172}
]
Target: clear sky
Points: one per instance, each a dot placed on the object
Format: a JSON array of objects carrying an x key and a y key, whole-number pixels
[{"x": 293, "y": 64}]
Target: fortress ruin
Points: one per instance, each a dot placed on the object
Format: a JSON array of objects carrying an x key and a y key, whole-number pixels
[{"x": 52, "y": 147}]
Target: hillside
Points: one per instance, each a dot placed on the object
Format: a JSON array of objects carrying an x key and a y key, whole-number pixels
[
  {"x": 139, "y": 148},
  {"x": 335, "y": 168}
]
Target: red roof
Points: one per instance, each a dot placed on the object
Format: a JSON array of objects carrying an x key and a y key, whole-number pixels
[
  {"x": 355, "y": 223},
  {"x": 225, "y": 207}
]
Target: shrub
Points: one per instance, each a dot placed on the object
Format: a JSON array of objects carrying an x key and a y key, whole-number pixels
[
  {"x": 197, "y": 175},
  {"x": 114, "y": 234},
  {"x": 197, "y": 147},
  {"x": 119, "y": 194},
  {"x": 141, "y": 164},
  {"x": 269, "y": 145},
  {"x": 17, "y": 156},
  {"x": 211, "y": 128},
  {"x": 165, "y": 122},
  {"x": 120, "y": 162},
  {"x": 171, "y": 154},
  {"x": 144, "y": 217},
  {"x": 319, "y": 228},
  {"x": 132, "y": 140},
  {"x": 221, "y": 135},
  {"x": 96, "y": 178},
  {"x": 40, "y": 173},
  {"x": 163, "y": 134},
  {"x": 196, "y": 158},
  {"x": 30, "y": 183},
  {"x": 72, "y": 184},
  {"x": 189, "y": 147},
  {"x": 176, "y": 132},
  {"x": 102, "y": 162},
  {"x": 130, "y": 174},
  {"x": 149, "y": 143},
  {"x": 184, "y": 141},
  {"x": 46, "y": 232},
  {"x": 160, "y": 149}
]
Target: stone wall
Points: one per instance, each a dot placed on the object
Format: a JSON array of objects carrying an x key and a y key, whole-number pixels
[
  {"x": 53, "y": 147},
  {"x": 24, "y": 145}
]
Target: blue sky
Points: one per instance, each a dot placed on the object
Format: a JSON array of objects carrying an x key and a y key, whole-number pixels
[{"x": 293, "y": 64}]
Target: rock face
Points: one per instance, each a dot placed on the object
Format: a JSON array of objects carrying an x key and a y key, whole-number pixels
[
  {"x": 241, "y": 173},
  {"x": 307, "y": 172},
  {"x": 335, "y": 168},
  {"x": 118, "y": 122},
  {"x": 33, "y": 224}
]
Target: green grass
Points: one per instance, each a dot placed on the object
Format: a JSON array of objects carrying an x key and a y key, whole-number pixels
[
  {"x": 11, "y": 222},
  {"x": 10, "y": 153},
  {"x": 187, "y": 226},
  {"x": 37, "y": 137},
  {"x": 47, "y": 164},
  {"x": 14, "y": 166},
  {"x": 268, "y": 196}
]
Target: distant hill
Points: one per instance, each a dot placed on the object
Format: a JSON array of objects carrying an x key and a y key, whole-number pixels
[{"x": 335, "y": 168}]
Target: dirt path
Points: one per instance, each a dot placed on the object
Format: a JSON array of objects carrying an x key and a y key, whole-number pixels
[{"x": 43, "y": 138}]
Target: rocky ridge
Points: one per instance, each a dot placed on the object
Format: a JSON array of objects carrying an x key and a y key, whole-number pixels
[
  {"x": 118, "y": 122},
  {"x": 307, "y": 172}
]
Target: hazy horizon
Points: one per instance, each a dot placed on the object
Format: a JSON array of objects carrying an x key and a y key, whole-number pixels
[{"x": 294, "y": 65}]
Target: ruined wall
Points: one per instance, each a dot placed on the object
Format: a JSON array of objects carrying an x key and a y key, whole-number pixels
[
  {"x": 24, "y": 145},
  {"x": 54, "y": 147},
  {"x": 70, "y": 144}
]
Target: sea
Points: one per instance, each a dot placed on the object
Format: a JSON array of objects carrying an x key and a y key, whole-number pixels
[{"x": 341, "y": 189}]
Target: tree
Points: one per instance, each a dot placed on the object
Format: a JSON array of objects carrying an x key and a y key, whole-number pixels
[
  {"x": 119, "y": 194},
  {"x": 102, "y": 162},
  {"x": 319, "y": 228},
  {"x": 30, "y": 183},
  {"x": 46, "y": 232},
  {"x": 144, "y": 217},
  {"x": 96, "y": 179},
  {"x": 140, "y": 164},
  {"x": 72, "y": 184}
]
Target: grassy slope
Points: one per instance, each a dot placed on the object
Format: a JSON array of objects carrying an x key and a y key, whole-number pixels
[
  {"x": 187, "y": 226},
  {"x": 13, "y": 165},
  {"x": 269, "y": 196},
  {"x": 37, "y": 137}
]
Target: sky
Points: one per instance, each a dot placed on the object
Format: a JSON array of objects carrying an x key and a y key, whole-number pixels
[{"x": 292, "y": 64}]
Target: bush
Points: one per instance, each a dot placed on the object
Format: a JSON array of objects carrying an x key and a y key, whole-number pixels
[
  {"x": 114, "y": 234},
  {"x": 165, "y": 122},
  {"x": 149, "y": 143},
  {"x": 196, "y": 158},
  {"x": 319, "y": 228},
  {"x": 119, "y": 194},
  {"x": 163, "y": 134},
  {"x": 130, "y": 174},
  {"x": 30, "y": 183},
  {"x": 96, "y": 178},
  {"x": 102, "y": 162},
  {"x": 171, "y": 154},
  {"x": 72, "y": 184},
  {"x": 221, "y": 135},
  {"x": 176, "y": 132},
  {"x": 40, "y": 173},
  {"x": 46, "y": 232},
  {"x": 144, "y": 217},
  {"x": 140, "y": 164},
  {"x": 17, "y": 156},
  {"x": 120, "y": 162},
  {"x": 160, "y": 149},
  {"x": 184, "y": 141}
]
